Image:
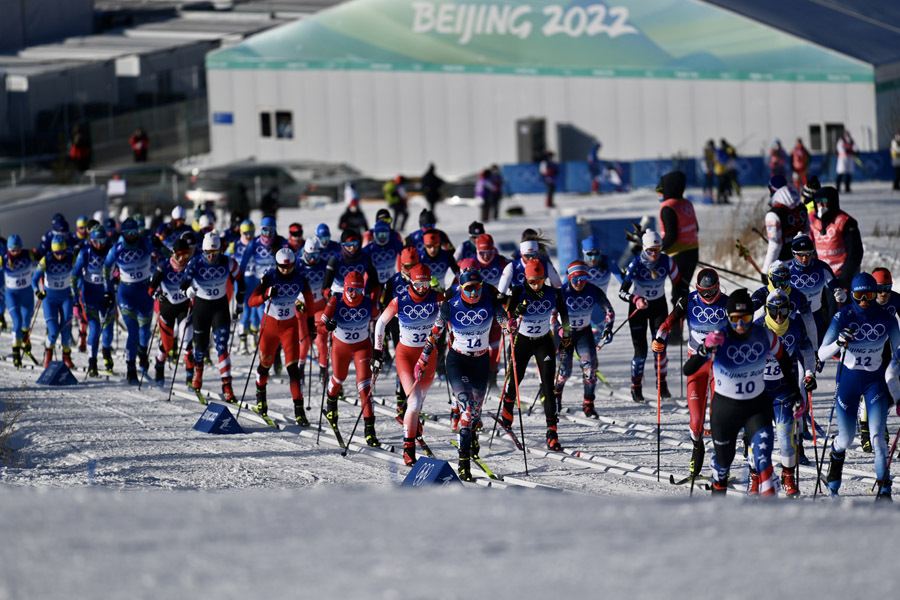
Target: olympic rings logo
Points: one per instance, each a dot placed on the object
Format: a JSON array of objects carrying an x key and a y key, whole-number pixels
[
  {"x": 708, "y": 314},
  {"x": 344, "y": 269},
  {"x": 579, "y": 303},
  {"x": 872, "y": 333},
  {"x": 745, "y": 353},
  {"x": 211, "y": 273},
  {"x": 595, "y": 273},
  {"x": 353, "y": 314},
  {"x": 315, "y": 277},
  {"x": 824, "y": 237},
  {"x": 789, "y": 340},
  {"x": 383, "y": 256},
  {"x": 491, "y": 274},
  {"x": 539, "y": 308},
  {"x": 58, "y": 268},
  {"x": 472, "y": 317},
  {"x": 647, "y": 274},
  {"x": 291, "y": 290},
  {"x": 130, "y": 256},
  {"x": 804, "y": 280},
  {"x": 263, "y": 252},
  {"x": 419, "y": 311}
]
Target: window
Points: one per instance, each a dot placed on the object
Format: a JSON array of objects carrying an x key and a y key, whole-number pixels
[
  {"x": 284, "y": 126},
  {"x": 833, "y": 132},
  {"x": 265, "y": 124},
  {"x": 815, "y": 138}
]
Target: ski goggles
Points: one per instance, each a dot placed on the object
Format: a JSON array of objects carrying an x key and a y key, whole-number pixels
[
  {"x": 421, "y": 286},
  {"x": 803, "y": 253},
  {"x": 296, "y": 233},
  {"x": 778, "y": 311},
  {"x": 382, "y": 236},
  {"x": 471, "y": 290},
  {"x": 427, "y": 226},
  {"x": 868, "y": 296},
  {"x": 653, "y": 250},
  {"x": 486, "y": 255},
  {"x": 407, "y": 267},
  {"x": 579, "y": 279},
  {"x": 131, "y": 232},
  {"x": 350, "y": 244},
  {"x": 324, "y": 240},
  {"x": 285, "y": 267},
  {"x": 738, "y": 319},
  {"x": 708, "y": 293},
  {"x": 313, "y": 257},
  {"x": 781, "y": 284},
  {"x": 433, "y": 246},
  {"x": 535, "y": 281},
  {"x": 183, "y": 254},
  {"x": 352, "y": 289},
  {"x": 530, "y": 256},
  {"x": 267, "y": 231},
  {"x": 883, "y": 288}
]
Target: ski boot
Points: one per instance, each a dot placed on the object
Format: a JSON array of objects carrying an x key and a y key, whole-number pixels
[
  {"x": 17, "y": 357},
  {"x": 67, "y": 357},
  {"x": 82, "y": 341},
  {"x": 475, "y": 446},
  {"x": 262, "y": 407},
  {"x": 26, "y": 349},
  {"x": 789, "y": 482},
  {"x": 371, "y": 438},
  {"x": 107, "y": 359},
  {"x": 637, "y": 394},
  {"x": 588, "y": 407},
  {"x": 454, "y": 419},
  {"x": 228, "y": 391},
  {"x": 331, "y": 410},
  {"x": 189, "y": 376},
  {"x": 697, "y": 454},
  {"x": 506, "y": 415},
  {"x": 864, "y": 441},
  {"x": 464, "y": 470},
  {"x": 664, "y": 390},
  {"x": 92, "y": 367},
  {"x": 3, "y": 323},
  {"x": 143, "y": 360},
  {"x": 242, "y": 344},
  {"x": 409, "y": 451},
  {"x": 160, "y": 373},
  {"x": 48, "y": 356},
  {"x": 719, "y": 488},
  {"x": 884, "y": 491},
  {"x": 552, "y": 437},
  {"x": 835, "y": 472},
  {"x": 131, "y": 373},
  {"x": 299, "y": 413},
  {"x": 753, "y": 486},
  {"x": 197, "y": 379},
  {"x": 401, "y": 411}
]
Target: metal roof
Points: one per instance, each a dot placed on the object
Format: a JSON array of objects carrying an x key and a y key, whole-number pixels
[{"x": 868, "y": 30}]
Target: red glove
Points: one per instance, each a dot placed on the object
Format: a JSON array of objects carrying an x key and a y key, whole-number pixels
[
  {"x": 714, "y": 339},
  {"x": 640, "y": 302}
]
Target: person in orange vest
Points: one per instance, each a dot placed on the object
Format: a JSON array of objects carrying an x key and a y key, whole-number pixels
[
  {"x": 837, "y": 238},
  {"x": 678, "y": 226},
  {"x": 799, "y": 163}
]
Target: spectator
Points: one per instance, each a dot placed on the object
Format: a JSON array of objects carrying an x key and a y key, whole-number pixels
[
  {"x": 80, "y": 148},
  {"x": 497, "y": 179},
  {"x": 549, "y": 170},
  {"x": 432, "y": 187},
  {"x": 485, "y": 194},
  {"x": 395, "y": 196},
  {"x": 732, "y": 167},
  {"x": 353, "y": 219},
  {"x": 800, "y": 163},
  {"x": 139, "y": 142},
  {"x": 777, "y": 160},
  {"x": 269, "y": 203},
  {"x": 846, "y": 151},
  {"x": 895, "y": 159},
  {"x": 595, "y": 166},
  {"x": 709, "y": 169}
]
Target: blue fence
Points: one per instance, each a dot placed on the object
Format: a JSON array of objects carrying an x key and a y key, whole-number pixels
[{"x": 574, "y": 176}]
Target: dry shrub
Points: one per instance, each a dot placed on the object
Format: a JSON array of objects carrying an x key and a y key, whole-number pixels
[
  {"x": 735, "y": 225},
  {"x": 13, "y": 409}
]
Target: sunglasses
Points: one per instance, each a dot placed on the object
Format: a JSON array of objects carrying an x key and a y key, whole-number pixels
[
  {"x": 486, "y": 254},
  {"x": 860, "y": 296},
  {"x": 883, "y": 288},
  {"x": 471, "y": 289},
  {"x": 534, "y": 281},
  {"x": 530, "y": 256},
  {"x": 382, "y": 236},
  {"x": 296, "y": 234},
  {"x": 804, "y": 253},
  {"x": 352, "y": 289},
  {"x": 738, "y": 319},
  {"x": 350, "y": 244},
  {"x": 781, "y": 311},
  {"x": 131, "y": 232},
  {"x": 577, "y": 279},
  {"x": 312, "y": 256},
  {"x": 183, "y": 254},
  {"x": 653, "y": 250},
  {"x": 268, "y": 231}
]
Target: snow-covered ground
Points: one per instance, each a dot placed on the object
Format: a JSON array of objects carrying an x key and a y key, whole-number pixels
[{"x": 117, "y": 496}]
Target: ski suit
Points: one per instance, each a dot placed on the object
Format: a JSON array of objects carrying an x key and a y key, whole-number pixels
[
  {"x": 350, "y": 342},
  {"x": 581, "y": 306},
  {"x": 801, "y": 309},
  {"x": 514, "y": 274},
  {"x": 811, "y": 280},
  {"x": 56, "y": 275},
  {"x": 17, "y": 273},
  {"x": 135, "y": 265},
  {"x": 174, "y": 308},
  {"x": 315, "y": 275},
  {"x": 384, "y": 257},
  {"x": 439, "y": 266},
  {"x": 88, "y": 277},
  {"x": 250, "y": 318}
]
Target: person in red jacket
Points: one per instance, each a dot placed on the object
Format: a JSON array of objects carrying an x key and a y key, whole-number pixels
[{"x": 800, "y": 164}]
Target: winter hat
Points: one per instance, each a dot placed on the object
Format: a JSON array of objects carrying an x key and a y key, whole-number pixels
[
  {"x": 739, "y": 302},
  {"x": 534, "y": 268},
  {"x": 476, "y": 228},
  {"x": 484, "y": 242}
]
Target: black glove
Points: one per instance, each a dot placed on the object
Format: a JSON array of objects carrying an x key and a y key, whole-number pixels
[
  {"x": 522, "y": 309},
  {"x": 330, "y": 324},
  {"x": 311, "y": 327},
  {"x": 809, "y": 382},
  {"x": 764, "y": 278},
  {"x": 41, "y": 294},
  {"x": 238, "y": 309},
  {"x": 239, "y": 299},
  {"x": 607, "y": 335},
  {"x": 845, "y": 337},
  {"x": 566, "y": 341},
  {"x": 377, "y": 362},
  {"x": 110, "y": 298}
]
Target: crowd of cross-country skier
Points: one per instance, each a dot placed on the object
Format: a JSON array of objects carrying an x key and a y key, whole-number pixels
[{"x": 429, "y": 308}]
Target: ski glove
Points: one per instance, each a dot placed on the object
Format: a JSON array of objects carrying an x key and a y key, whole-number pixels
[
  {"x": 840, "y": 294},
  {"x": 190, "y": 293},
  {"x": 809, "y": 381},
  {"x": 330, "y": 324},
  {"x": 522, "y": 309},
  {"x": 41, "y": 294},
  {"x": 845, "y": 337},
  {"x": 799, "y": 406},
  {"x": 377, "y": 362},
  {"x": 238, "y": 309},
  {"x": 607, "y": 335},
  {"x": 658, "y": 345},
  {"x": 566, "y": 341},
  {"x": 511, "y": 326},
  {"x": 301, "y": 307},
  {"x": 714, "y": 339},
  {"x": 421, "y": 367},
  {"x": 640, "y": 302},
  {"x": 311, "y": 328},
  {"x": 270, "y": 291}
]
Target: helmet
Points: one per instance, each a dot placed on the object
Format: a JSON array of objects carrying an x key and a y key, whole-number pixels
[
  {"x": 534, "y": 268},
  {"x": 421, "y": 275},
  {"x": 98, "y": 233},
  {"x": 484, "y": 242},
  {"x": 802, "y": 243},
  {"x": 353, "y": 280},
  {"x": 779, "y": 275},
  {"x": 467, "y": 264},
  {"x": 651, "y": 239},
  {"x": 426, "y": 217},
  {"x": 776, "y": 182},
  {"x": 130, "y": 227},
  {"x": 408, "y": 256},
  {"x": 267, "y": 222},
  {"x": 708, "y": 285},
  {"x": 863, "y": 282},
  {"x": 473, "y": 293},
  {"x": 778, "y": 303},
  {"x": 211, "y": 242},
  {"x": 81, "y": 221},
  {"x": 285, "y": 257},
  {"x": 247, "y": 226},
  {"x": 589, "y": 244},
  {"x": 179, "y": 213},
  {"x": 882, "y": 276},
  {"x": 295, "y": 230},
  {"x": 14, "y": 243},
  {"x": 323, "y": 231},
  {"x": 59, "y": 243},
  {"x": 476, "y": 228},
  {"x": 529, "y": 248}
]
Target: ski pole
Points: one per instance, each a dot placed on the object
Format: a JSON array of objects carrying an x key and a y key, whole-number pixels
[
  {"x": 310, "y": 360},
  {"x": 362, "y": 408},
  {"x": 149, "y": 346},
  {"x": 760, "y": 234},
  {"x": 621, "y": 325},
  {"x": 658, "y": 414},
  {"x": 723, "y": 270},
  {"x": 681, "y": 357},
  {"x": 745, "y": 254},
  {"x": 837, "y": 386},
  {"x": 262, "y": 326},
  {"x": 500, "y": 406},
  {"x": 813, "y": 422},
  {"x": 512, "y": 351},
  {"x": 324, "y": 388},
  {"x": 185, "y": 325},
  {"x": 887, "y": 469},
  {"x": 37, "y": 309}
]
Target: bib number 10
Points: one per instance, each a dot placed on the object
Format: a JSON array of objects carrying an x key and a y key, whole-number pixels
[{"x": 746, "y": 387}]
